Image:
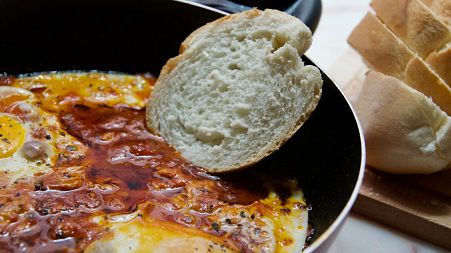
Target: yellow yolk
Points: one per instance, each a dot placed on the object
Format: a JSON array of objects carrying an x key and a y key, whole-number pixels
[
  {"x": 12, "y": 136},
  {"x": 98, "y": 88}
]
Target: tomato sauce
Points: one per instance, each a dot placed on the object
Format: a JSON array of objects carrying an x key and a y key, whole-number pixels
[
  {"x": 116, "y": 167},
  {"x": 125, "y": 165}
]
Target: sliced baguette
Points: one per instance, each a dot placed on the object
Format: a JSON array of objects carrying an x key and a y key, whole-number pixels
[
  {"x": 237, "y": 91},
  {"x": 404, "y": 130},
  {"x": 423, "y": 31},
  {"x": 414, "y": 24},
  {"x": 441, "y": 62},
  {"x": 381, "y": 49},
  {"x": 420, "y": 77},
  {"x": 385, "y": 53},
  {"x": 441, "y": 8}
]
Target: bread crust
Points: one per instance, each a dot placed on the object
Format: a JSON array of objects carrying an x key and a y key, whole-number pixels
[
  {"x": 202, "y": 31},
  {"x": 441, "y": 8},
  {"x": 385, "y": 53},
  {"x": 404, "y": 131},
  {"x": 379, "y": 47},
  {"x": 414, "y": 24},
  {"x": 196, "y": 36},
  {"x": 420, "y": 77},
  {"x": 441, "y": 63}
]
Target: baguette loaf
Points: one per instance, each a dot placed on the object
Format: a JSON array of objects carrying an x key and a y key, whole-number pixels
[
  {"x": 237, "y": 90},
  {"x": 405, "y": 131},
  {"x": 414, "y": 24},
  {"x": 385, "y": 53}
]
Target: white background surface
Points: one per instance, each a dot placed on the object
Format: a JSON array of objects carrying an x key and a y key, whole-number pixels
[{"x": 359, "y": 235}]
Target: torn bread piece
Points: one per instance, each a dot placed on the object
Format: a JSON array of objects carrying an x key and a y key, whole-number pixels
[{"x": 237, "y": 91}]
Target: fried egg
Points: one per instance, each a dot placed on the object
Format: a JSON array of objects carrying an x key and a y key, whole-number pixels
[
  {"x": 283, "y": 229},
  {"x": 26, "y": 144},
  {"x": 98, "y": 181},
  {"x": 97, "y": 88},
  {"x": 31, "y": 137}
]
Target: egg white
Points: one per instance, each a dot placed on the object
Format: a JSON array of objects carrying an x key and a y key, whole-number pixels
[
  {"x": 284, "y": 232},
  {"x": 16, "y": 166}
]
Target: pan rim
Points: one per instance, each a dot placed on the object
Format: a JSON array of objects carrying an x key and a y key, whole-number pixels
[{"x": 333, "y": 228}]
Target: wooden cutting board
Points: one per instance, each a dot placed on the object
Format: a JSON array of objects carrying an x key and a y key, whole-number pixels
[{"x": 419, "y": 205}]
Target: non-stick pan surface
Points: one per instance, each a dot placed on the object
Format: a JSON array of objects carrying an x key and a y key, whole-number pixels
[{"x": 138, "y": 36}]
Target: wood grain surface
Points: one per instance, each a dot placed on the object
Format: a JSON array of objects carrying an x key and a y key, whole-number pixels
[{"x": 417, "y": 205}]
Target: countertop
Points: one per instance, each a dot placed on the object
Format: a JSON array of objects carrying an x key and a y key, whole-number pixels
[{"x": 329, "y": 50}]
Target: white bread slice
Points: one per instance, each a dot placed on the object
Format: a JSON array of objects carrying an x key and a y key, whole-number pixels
[
  {"x": 420, "y": 77},
  {"x": 414, "y": 24},
  {"x": 441, "y": 62},
  {"x": 441, "y": 8},
  {"x": 423, "y": 31},
  {"x": 237, "y": 91},
  {"x": 405, "y": 131},
  {"x": 381, "y": 49},
  {"x": 385, "y": 53}
]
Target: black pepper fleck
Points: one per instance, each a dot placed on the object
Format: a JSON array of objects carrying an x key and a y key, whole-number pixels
[
  {"x": 71, "y": 148},
  {"x": 215, "y": 226}
]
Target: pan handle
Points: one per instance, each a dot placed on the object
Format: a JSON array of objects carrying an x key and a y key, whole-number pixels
[{"x": 309, "y": 11}]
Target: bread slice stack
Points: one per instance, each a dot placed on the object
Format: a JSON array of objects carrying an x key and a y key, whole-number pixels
[
  {"x": 237, "y": 91},
  {"x": 405, "y": 109}
]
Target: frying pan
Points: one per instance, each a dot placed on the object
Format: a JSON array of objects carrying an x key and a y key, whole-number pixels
[
  {"x": 309, "y": 11},
  {"x": 327, "y": 154}
]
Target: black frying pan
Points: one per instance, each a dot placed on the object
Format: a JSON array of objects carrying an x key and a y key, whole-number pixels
[
  {"x": 136, "y": 36},
  {"x": 309, "y": 11}
]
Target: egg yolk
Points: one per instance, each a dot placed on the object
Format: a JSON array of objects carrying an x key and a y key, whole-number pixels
[
  {"x": 12, "y": 136},
  {"x": 94, "y": 87}
]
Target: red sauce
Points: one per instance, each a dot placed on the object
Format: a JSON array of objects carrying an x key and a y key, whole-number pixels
[{"x": 124, "y": 166}]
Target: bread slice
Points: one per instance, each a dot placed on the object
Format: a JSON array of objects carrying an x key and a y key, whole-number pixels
[
  {"x": 441, "y": 62},
  {"x": 441, "y": 8},
  {"x": 237, "y": 91},
  {"x": 420, "y": 77},
  {"x": 381, "y": 49},
  {"x": 385, "y": 53},
  {"x": 424, "y": 32},
  {"x": 414, "y": 24},
  {"x": 405, "y": 131}
]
